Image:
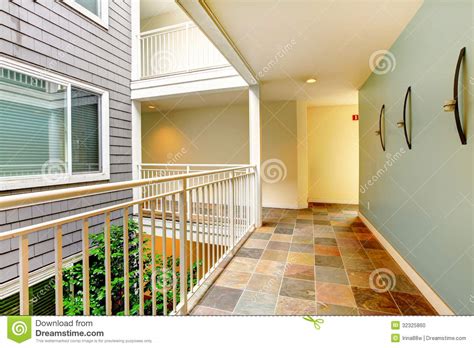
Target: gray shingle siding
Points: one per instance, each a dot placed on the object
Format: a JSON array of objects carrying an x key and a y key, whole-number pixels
[{"x": 50, "y": 35}]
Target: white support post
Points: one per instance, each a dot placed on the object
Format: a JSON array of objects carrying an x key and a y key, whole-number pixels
[
  {"x": 136, "y": 105},
  {"x": 136, "y": 148},
  {"x": 255, "y": 147}
]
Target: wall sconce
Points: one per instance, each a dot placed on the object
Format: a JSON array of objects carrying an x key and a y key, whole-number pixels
[
  {"x": 381, "y": 131},
  {"x": 406, "y": 124},
  {"x": 452, "y": 104}
]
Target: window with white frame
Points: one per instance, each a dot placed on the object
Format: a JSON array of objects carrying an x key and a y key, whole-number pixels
[
  {"x": 97, "y": 10},
  {"x": 51, "y": 130}
]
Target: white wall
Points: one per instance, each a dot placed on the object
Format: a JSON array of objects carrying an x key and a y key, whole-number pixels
[{"x": 333, "y": 141}]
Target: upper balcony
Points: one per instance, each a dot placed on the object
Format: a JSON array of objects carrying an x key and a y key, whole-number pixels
[
  {"x": 177, "y": 49},
  {"x": 171, "y": 51}
]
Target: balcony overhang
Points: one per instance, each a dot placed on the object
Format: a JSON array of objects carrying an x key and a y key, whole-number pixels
[
  {"x": 202, "y": 15},
  {"x": 223, "y": 78}
]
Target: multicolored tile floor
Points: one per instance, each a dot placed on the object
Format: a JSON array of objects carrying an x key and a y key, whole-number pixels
[{"x": 317, "y": 261}]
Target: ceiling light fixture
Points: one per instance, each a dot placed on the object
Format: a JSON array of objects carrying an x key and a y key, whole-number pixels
[
  {"x": 151, "y": 107},
  {"x": 311, "y": 80}
]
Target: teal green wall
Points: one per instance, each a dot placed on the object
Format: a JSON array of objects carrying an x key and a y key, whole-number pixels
[{"x": 423, "y": 202}]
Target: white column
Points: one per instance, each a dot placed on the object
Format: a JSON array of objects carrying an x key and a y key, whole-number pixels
[
  {"x": 302, "y": 153},
  {"x": 255, "y": 145},
  {"x": 136, "y": 105},
  {"x": 136, "y": 144}
]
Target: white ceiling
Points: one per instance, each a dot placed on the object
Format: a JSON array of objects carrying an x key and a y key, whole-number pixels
[
  {"x": 290, "y": 41},
  {"x": 197, "y": 100},
  {"x": 151, "y": 8}
]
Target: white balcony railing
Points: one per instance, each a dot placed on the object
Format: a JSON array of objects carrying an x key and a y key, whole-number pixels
[
  {"x": 177, "y": 49},
  {"x": 192, "y": 221}
]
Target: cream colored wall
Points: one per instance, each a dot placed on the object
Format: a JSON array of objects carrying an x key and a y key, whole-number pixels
[
  {"x": 333, "y": 154},
  {"x": 163, "y": 20},
  {"x": 279, "y": 154},
  {"x": 200, "y": 135},
  {"x": 220, "y": 135}
]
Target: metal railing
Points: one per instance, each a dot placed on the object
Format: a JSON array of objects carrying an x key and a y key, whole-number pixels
[
  {"x": 177, "y": 49},
  {"x": 186, "y": 224},
  {"x": 151, "y": 170}
]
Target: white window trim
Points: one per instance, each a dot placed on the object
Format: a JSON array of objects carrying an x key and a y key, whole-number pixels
[
  {"x": 31, "y": 181},
  {"x": 103, "y": 20}
]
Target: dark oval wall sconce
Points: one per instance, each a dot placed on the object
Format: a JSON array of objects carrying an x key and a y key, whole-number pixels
[
  {"x": 381, "y": 131},
  {"x": 452, "y": 104},
  {"x": 405, "y": 124}
]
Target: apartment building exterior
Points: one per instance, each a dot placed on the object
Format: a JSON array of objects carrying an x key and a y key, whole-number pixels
[{"x": 65, "y": 88}]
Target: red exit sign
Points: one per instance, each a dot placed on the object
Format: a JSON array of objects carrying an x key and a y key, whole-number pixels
[{"x": 355, "y": 117}]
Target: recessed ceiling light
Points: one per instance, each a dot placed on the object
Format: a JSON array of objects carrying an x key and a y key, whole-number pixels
[
  {"x": 151, "y": 107},
  {"x": 311, "y": 80}
]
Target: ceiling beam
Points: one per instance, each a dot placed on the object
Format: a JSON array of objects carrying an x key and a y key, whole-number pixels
[{"x": 209, "y": 24}]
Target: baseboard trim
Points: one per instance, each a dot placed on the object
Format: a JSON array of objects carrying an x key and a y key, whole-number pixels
[
  {"x": 280, "y": 206},
  {"x": 433, "y": 298},
  {"x": 331, "y": 201}
]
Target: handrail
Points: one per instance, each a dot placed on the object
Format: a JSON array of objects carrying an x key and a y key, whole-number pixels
[
  {"x": 27, "y": 199},
  {"x": 190, "y": 164},
  {"x": 61, "y": 221}
]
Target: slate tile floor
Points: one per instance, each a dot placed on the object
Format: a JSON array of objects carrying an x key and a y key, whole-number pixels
[{"x": 315, "y": 261}]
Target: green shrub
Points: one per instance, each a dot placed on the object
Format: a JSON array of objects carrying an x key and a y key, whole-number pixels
[{"x": 72, "y": 276}]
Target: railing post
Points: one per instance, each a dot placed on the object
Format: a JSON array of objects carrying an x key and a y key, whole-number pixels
[
  {"x": 141, "y": 288},
  {"x": 58, "y": 241},
  {"x": 232, "y": 208},
  {"x": 23, "y": 270},
  {"x": 108, "y": 266},
  {"x": 182, "y": 206},
  {"x": 85, "y": 267}
]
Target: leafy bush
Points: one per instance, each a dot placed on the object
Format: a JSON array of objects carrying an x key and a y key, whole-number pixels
[{"x": 72, "y": 276}]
